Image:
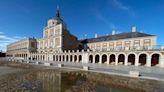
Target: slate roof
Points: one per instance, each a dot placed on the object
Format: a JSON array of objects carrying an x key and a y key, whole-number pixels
[{"x": 116, "y": 37}]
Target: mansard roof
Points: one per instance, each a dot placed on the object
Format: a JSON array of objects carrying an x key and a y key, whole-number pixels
[{"x": 116, "y": 37}]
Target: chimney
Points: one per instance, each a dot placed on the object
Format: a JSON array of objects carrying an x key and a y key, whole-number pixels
[
  {"x": 134, "y": 29},
  {"x": 113, "y": 32},
  {"x": 96, "y": 35}
]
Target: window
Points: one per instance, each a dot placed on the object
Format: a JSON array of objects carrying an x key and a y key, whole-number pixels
[
  {"x": 127, "y": 43},
  {"x": 104, "y": 45},
  {"x": 57, "y": 31},
  {"x": 57, "y": 42},
  {"x": 46, "y": 43},
  {"x": 119, "y": 44},
  {"x": 41, "y": 45},
  {"x": 51, "y": 43},
  {"x": 46, "y": 33},
  {"x": 147, "y": 42},
  {"x": 136, "y": 42},
  {"x": 98, "y": 45},
  {"x": 92, "y": 46},
  {"x": 51, "y": 32},
  {"x": 111, "y": 45}
]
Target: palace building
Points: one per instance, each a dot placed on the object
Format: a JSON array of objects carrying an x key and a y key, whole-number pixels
[
  {"x": 22, "y": 48},
  {"x": 59, "y": 45},
  {"x": 56, "y": 37}
]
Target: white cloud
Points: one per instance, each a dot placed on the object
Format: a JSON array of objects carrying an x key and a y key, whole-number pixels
[
  {"x": 5, "y": 40},
  {"x": 1, "y": 32},
  {"x": 102, "y": 18},
  {"x": 120, "y": 5},
  {"x": 126, "y": 8}
]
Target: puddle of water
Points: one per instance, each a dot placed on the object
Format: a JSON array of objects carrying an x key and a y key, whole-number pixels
[{"x": 48, "y": 80}]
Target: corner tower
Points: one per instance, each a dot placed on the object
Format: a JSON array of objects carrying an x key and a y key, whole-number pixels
[{"x": 56, "y": 36}]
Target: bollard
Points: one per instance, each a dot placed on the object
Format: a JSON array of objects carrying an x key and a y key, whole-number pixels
[
  {"x": 86, "y": 68},
  {"x": 134, "y": 74},
  {"x": 28, "y": 61},
  {"x": 60, "y": 65},
  {"x": 37, "y": 63},
  {"x": 47, "y": 64}
]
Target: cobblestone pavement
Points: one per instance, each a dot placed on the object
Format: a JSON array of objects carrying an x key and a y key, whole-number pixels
[{"x": 146, "y": 72}]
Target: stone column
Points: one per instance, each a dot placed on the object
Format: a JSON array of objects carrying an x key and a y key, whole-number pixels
[
  {"x": 100, "y": 59},
  {"x": 73, "y": 58},
  {"x": 161, "y": 61},
  {"x": 108, "y": 59},
  {"x": 77, "y": 59},
  {"x": 55, "y": 58},
  {"x": 116, "y": 60},
  {"x": 85, "y": 58},
  {"x": 50, "y": 57},
  {"x": 136, "y": 60},
  {"x": 22, "y": 56},
  {"x": 93, "y": 59},
  {"x": 66, "y": 58},
  {"x": 58, "y": 58},
  {"x": 38, "y": 57},
  {"x": 148, "y": 61},
  {"x": 69, "y": 58},
  {"x": 126, "y": 60}
]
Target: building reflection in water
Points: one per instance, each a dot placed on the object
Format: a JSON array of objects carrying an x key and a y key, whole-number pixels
[
  {"x": 57, "y": 81},
  {"x": 51, "y": 81}
]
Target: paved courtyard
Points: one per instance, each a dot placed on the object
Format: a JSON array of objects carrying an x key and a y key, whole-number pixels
[{"x": 146, "y": 72}]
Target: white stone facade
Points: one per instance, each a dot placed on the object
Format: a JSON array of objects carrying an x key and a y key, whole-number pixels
[
  {"x": 136, "y": 58},
  {"x": 58, "y": 45}
]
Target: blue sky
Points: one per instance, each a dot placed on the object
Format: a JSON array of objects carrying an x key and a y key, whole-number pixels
[{"x": 26, "y": 18}]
